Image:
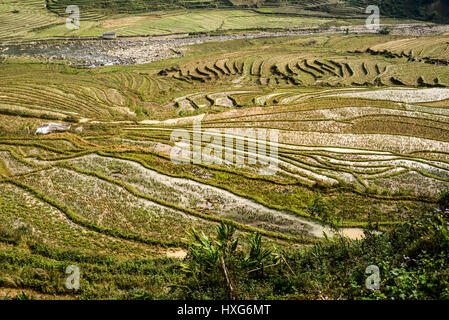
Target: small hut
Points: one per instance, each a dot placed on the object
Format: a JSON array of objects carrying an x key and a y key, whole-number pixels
[
  {"x": 51, "y": 127},
  {"x": 109, "y": 36}
]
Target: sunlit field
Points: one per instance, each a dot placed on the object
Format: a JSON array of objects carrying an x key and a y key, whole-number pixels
[{"x": 362, "y": 156}]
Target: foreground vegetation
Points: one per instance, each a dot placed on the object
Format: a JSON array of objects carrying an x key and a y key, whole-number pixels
[{"x": 412, "y": 259}]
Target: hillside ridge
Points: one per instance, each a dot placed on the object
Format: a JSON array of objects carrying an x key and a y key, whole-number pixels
[{"x": 426, "y": 10}]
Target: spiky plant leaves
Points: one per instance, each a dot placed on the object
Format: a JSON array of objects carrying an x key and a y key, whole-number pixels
[{"x": 257, "y": 255}]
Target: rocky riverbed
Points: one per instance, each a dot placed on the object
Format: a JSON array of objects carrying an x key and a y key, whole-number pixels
[
  {"x": 94, "y": 53},
  {"x": 140, "y": 50}
]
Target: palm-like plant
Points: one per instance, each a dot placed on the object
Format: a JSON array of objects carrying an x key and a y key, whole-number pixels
[
  {"x": 257, "y": 255},
  {"x": 209, "y": 260},
  {"x": 207, "y": 256}
]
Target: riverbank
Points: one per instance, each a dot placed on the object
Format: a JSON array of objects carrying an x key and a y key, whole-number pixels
[{"x": 92, "y": 52}]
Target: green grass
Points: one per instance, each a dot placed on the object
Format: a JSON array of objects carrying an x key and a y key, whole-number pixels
[
  {"x": 192, "y": 21},
  {"x": 37, "y": 19},
  {"x": 20, "y": 18}
]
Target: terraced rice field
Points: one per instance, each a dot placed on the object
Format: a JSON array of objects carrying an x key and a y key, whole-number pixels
[
  {"x": 46, "y": 19},
  {"x": 309, "y": 69},
  {"x": 363, "y": 140},
  {"x": 19, "y": 18}
]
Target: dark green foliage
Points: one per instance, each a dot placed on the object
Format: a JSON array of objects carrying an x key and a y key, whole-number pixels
[
  {"x": 257, "y": 255},
  {"x": 42, "y": 269},
  {"x": 443, "y": 201},
  {"x": 216, "y": 268},
  {"x": 430, "y": 10},
  {"x": 320, "y": 209},
  {"x": 413, "y": 261},
  {"x": 385, "y": 30}
]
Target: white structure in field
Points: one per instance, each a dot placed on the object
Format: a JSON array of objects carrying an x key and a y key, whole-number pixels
[
  {"x": 109, "y": 35},
  {"x": 51, "y": 127}
]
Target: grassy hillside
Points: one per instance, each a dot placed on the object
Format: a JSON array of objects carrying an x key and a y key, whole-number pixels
[
  {"x": 290, "y": 84},
  {"x": 428, "y": 10},
  {"x": 138, "y": 6},
  {"x": 20, "y": 17},
  {"x": 337, "y": 8},
  {"x": 412, "y": 261},
  {"x": 191, "y": 21},
  {"x": 33, "y": 19},
  {"x": 363, "y": 164},
  {"x": 41, "y": 19}
]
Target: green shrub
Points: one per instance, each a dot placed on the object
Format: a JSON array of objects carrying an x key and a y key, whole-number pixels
[
  {"x": 412, "y": 259},
  {"x": 443, "y": 201},
  {"x": 385, "y": 30}
]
